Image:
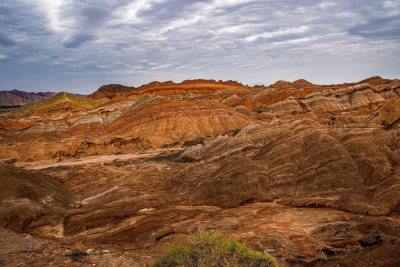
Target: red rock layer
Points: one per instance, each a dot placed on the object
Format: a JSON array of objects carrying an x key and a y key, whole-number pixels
[
  {"x": 301, "y": 88},
  {"x": 111, "y": 91},
  {"x": 166, "y": 88},
  {"x": 11, "y": 125},
  {"x": 65, "y": 110},
  {"x": 166, "y": 121},
  {"x": 185, "y": 87}
]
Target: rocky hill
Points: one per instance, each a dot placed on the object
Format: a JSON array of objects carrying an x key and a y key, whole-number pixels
[
  {"x": 308, "y": 173},
  {"x": 165, "y": 88},
  {"x": 63, "y": 103},
  {"x": 111, "y": 91},
  {"x": 18, "y": 98}
]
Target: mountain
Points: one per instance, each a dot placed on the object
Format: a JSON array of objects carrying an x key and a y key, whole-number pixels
[
  {"x": 62, "y": 101},
  {"x": 165, "y": 88},
  {"x": 308, "y": 173},
  {"x": 18, "y": 98},
  {"x": 111, "y": 91}
]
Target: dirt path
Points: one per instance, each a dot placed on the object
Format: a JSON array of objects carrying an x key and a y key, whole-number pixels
[{"x": 92, "y": 160}]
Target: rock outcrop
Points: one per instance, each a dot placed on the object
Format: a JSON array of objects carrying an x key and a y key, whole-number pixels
[
  {"x": 111, "y": 91},
  {"x": 165, "y": 121},
  {"x": 167, "y": 88},
  {"x": 308, "y": 173},
  {"x": 29, "y": 200}
]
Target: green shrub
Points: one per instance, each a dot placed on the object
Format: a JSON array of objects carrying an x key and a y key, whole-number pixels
[{"x": 209, "y": 248}]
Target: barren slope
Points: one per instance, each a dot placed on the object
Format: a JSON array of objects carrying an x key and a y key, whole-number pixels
[{"x": 308, "y": 173}]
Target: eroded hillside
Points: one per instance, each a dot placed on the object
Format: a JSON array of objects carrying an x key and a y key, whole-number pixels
[{"x": 308, "y": 173}]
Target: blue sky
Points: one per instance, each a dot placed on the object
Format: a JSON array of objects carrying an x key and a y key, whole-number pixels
[{"x": 77, "y": 46}]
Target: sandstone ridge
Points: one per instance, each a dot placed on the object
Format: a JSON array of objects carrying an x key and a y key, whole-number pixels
[{"x": 308, "y": 173}]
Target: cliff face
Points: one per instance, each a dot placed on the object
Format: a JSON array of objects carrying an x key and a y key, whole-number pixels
[
  {"x": 309, "y": 173},
  {"x": 17, "y": 98}
]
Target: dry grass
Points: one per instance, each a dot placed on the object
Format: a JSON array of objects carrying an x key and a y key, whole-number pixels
[{"x": 209, "y": 248}]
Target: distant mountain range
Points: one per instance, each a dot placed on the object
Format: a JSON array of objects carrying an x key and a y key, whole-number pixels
[{"x": 17, "y": 98}]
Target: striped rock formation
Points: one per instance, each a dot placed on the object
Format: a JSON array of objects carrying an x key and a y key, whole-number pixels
[{"x": 308, "y": 173}]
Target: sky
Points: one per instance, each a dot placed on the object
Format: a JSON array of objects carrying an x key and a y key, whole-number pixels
[{"x": 77, "y": 46}]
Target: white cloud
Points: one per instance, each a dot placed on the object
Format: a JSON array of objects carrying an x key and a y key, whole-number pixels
[
  {"x": 52, "y": 10},
  {"x": 345, "y": 14},
  {"x": 296, "y": 41},
  {"x": 393, "y": 7},
  {"x": 143, "y": 40},
  {"x": 277, "y": 33},
  {"x": 234, "y": 29},
  {"x": 391, "y": 4},
  {"x": 300, "y": 10},
  {"x": 231, "y": 3},
  {"x": 128, "y": 14},
  {"x": 180, "y": 23},
  {"x": 325, "y": 5}
]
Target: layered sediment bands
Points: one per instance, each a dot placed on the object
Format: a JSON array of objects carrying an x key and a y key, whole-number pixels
[
  {"x": 115, "y": 114},
  {"x": 190, "y": 86},
  {"x": 308, "y": 173},
  {"x": 168, "y": 88},
  {"x": 89, "y": 124},
  {"x": 389, "y": 90},
  {"x": 43, "y": 129},
  {"x": 388, "y": 115},
  {"x": 323, "y": 166},
  {"x": 352, "y": 98},
  {"x": 111, "y": 91},
  {"x": 55, "y": 149},
  {"x": 30, "y": 200},
  {"x": 11, "y": 125},
  {"x": 277, "y": 92},
  {"x": 165, "y": 121},
  {"x": 358, "y": 94},
  {"x": 326, "y": 185},
  {"x": 376, "y": 80},
  {"x": 65, "y": 111}
]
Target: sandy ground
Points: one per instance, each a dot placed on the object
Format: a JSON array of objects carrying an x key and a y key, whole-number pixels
[{"x": 18, "y": 249}]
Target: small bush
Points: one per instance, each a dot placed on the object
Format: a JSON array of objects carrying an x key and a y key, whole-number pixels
[{"x": 209, "y": 248}]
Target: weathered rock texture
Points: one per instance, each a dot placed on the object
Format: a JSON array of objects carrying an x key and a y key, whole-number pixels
[
  {"x": 111, "y": 91},
  {"x": 307, "y": 173},
  {"x": 167, "y": 88}
]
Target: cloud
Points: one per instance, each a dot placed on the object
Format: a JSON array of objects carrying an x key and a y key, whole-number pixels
[
  {"x": 52, "y": 10},
  {"x": 388, "y": 28},
  {"x": 391, "y": 4},
  {"x": 277, "y": 33},
  {"x": 6, "y": 41},
  {"x": 94, "y": 16},
  {"x": 325, "y": 5},
  {"x": 83, "y": 44},
  {"x": 77, "y": 40},
  {"x": 345, "y": 14},
  {"x": 231, "y": 3}
]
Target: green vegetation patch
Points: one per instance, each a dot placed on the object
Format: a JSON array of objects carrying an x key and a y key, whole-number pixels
[
  {"x": 209, "y": 248},
  {"x": 63, "y": 97}
]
